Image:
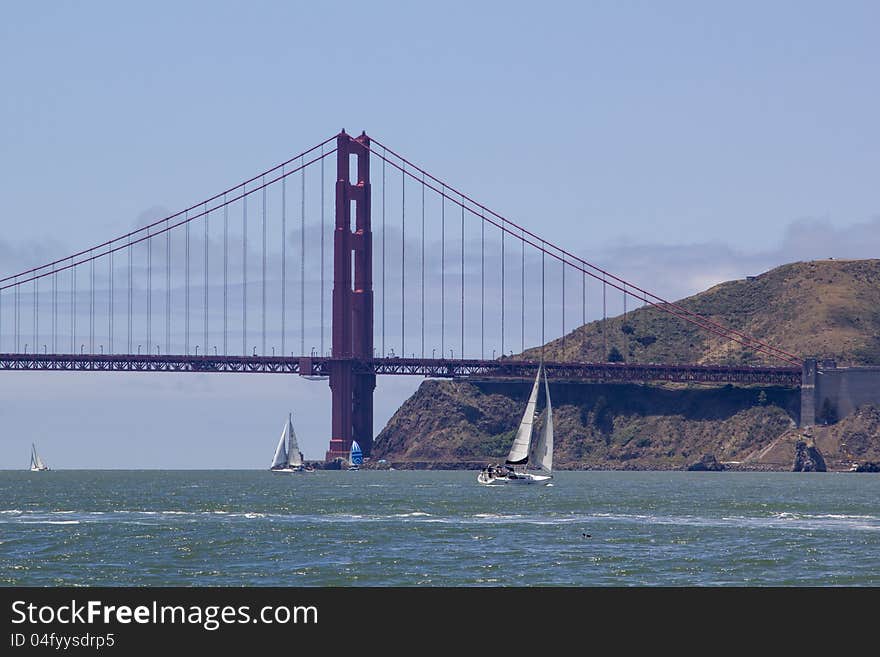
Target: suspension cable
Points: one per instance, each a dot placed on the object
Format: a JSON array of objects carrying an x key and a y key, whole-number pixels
[{"x": 594, "y": 271}]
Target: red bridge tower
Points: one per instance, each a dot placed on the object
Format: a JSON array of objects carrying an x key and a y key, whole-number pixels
[{"x": 352, "y": 391}]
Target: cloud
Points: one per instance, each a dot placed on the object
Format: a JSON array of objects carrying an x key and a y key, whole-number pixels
[
  {"x": 18, "y": 256},
  {"x": 677, "y": 271}
]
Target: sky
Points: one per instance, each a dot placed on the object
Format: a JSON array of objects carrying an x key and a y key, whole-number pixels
[{"x": 678, "y": 143}]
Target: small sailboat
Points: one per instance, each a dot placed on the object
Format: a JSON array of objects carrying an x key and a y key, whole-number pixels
[
  {"x": 37, "y": 464},
  {"x": 355, "y": 456},
  {"x": 523, "y": 453},
  {"x": 288, "y": 458}
]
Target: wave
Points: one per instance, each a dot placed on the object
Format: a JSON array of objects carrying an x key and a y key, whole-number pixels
[{"x": 782, "y": 520}]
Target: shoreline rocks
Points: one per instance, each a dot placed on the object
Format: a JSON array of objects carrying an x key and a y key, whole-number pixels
[
  {"x": 808, "y": 458},
  {"x": 707, "y": 463}
]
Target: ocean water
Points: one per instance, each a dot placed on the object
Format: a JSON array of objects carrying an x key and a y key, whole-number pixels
[{"x": 405, "y": 528}]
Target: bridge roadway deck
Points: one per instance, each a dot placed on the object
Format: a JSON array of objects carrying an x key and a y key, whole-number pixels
[{"x": 318, "y": 366}]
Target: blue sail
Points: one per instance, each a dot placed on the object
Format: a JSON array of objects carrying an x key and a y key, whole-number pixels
[{"x": 356, "y": 456}]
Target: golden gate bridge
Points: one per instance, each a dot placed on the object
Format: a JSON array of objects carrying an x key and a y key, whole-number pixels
[{"x": 215, "y": 288}]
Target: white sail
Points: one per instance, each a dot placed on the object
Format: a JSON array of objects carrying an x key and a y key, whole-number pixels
[
  {"x": 36, "y": 461},
  {"x": 542, "y": 455},
  {"x": 519, "y": 451},
  {"x": 280, "y": 458},
  {"x": 294, "y": 458}
]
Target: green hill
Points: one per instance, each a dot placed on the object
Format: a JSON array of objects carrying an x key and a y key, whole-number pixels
[{"x": 823, "y": 308}]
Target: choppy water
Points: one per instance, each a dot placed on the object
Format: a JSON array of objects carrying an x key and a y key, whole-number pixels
[{"x": 437, "y": 529}]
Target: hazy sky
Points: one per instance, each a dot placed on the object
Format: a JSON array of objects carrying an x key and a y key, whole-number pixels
[{"x": 678, "y": 143}]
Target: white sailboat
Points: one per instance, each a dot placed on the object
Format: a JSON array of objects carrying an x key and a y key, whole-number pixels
[
  {"x": 37, "y": 464},
  {"x": 288, "y": 458},
  {"x": 523, "y": 453}
]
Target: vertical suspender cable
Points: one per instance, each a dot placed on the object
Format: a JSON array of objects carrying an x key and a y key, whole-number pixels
[
  {"x": 128, "y": 299},
  {"x": 205, "y": 337},
  {"x": 402, "y": 260},
  {"x": 263, "y": 270},
  {"x": 225, "y": 277},
  {"x": 129, "y": 326},
  {"x": 149, "y": 290},
  {"x": 186, "y": 286},
  {"x": 15, "y": 292},
  {"x": 443, "y": 273},
  {"x": 542, "y": 300},
  {"x": 36, "y": 314},
  {"x": 482, "y": 286},
  {"x": 502, "y": 291},
  {"x": 462, "y": 277},
  {"x": 130, "y": 273},
  {"x": 17, "y": 307},
  {"x": 167, "y": 289},
  {"x": 54, "y": 311},
  {"x": 243, "y": 271},
  {"x": 522, "y": 291},
  {"x": 604, "y": 322},
  {"x": 284, "y": 260},
  {"x": 583, "y": 311},
  {"x": 423, "y": 265},
  {"x": 302, "y": 261},
  {"x": 563, "y": 306},
  {"x": 625, "y": 334},
  {"x": 110, "y": 297},
  {"x": 72, "y": 307},
  {"x": 322, "y": 250},
  {"x": 383, "y": 252},
  {"x": 92, "y": 303}
]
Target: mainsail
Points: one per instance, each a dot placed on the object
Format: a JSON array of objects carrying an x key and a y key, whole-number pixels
[
  {"x": 542, "y": 455},
  {"x": 294, "y": 458},
  {"x": 280, "y": 458},
  {"x": 36, "y": 461},
  {"x": 519, "y": 451}
]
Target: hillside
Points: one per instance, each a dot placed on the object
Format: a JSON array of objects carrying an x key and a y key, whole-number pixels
[
  {"x": 829, "y": 309},
  {"x": 823, "y": 308},
  {"x": 597, "y": 426}
]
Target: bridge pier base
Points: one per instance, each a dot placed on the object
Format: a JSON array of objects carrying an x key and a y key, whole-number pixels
[
  {"x": 352, "y": 415},
  {"x": 808, "y": 393}
]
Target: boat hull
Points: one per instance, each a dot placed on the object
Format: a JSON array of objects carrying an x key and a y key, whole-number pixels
[
  {"x": 289, "y": 470},
  {"x": 519, "y": 480}
]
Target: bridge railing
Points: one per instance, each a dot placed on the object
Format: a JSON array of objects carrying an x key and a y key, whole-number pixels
[{"x": 318, "y": 366}]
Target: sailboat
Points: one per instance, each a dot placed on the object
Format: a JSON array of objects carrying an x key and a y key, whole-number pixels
[
  {"x": 523, "y": 453},
  {"x": 355, "y": 456},
  {"x": 288, "y": 458},
  {"x": 37, "y": 464}
]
